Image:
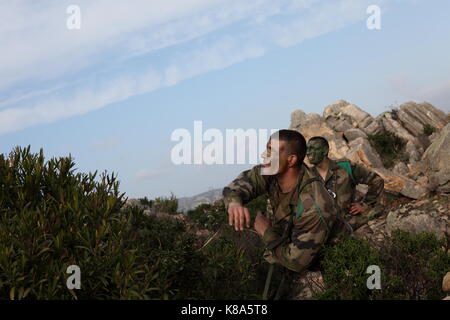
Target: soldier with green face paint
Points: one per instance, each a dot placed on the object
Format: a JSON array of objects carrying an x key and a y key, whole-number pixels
[{"x": 341, "y": 177}]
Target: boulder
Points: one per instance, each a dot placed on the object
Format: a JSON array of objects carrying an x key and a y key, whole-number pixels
[
  {"x": 436, "y": 158},
  {"x": 362, "y": 152},
  {"x": 414, "y": 116},
  {"x": 392, "y": 124},
  {"x": 413, "y": 151},
  {"x": 416, "y": 221},
  {"x": 400, "y": 168},
  {"x": 342, "y": 116},
  {"x": 134, "y": 203},
  {"x": 399, "y": 184},
  {"x": 446, "y": 283},
  {"x": 353, "y": 133}
]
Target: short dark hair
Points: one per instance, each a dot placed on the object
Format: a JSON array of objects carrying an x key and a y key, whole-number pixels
[
  {"x": 322, "y": 139},
  {"x": 295, "y": 143}
]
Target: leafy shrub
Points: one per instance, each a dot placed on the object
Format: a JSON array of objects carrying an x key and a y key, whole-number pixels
[
  {"x": 394, "y": 113},
  {"x": 412, "y": 267},
  {"x": 229, "y": 273},
  {"x": 344, "y": 269},
  {"x": 165, "y": 204},
  {"x": 389, "y": 146},
  {"x": 209, "y": 216},
  {"x": 146, "y": 202},
  {"x": 51, "y": 218},
  {"x": 428, "y": 130}
]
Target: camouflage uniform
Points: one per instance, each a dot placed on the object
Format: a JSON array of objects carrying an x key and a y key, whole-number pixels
[
  {"x": 338, "y": 182},
  {"x": 309, "y": 231}
]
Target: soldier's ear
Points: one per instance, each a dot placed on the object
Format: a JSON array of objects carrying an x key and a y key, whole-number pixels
[{"x": 292, "y": 160}]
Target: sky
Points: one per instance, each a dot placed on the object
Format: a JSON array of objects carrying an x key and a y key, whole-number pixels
[{"x": 112, "y": 92}]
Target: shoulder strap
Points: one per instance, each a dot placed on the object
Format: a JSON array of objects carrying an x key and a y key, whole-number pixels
[
  {"x": 347, "y": 167},
  {"x": 299, "y": 203}
]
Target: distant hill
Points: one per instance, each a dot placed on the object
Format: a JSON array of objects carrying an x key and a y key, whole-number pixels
[{"x": 188, "y": 203}]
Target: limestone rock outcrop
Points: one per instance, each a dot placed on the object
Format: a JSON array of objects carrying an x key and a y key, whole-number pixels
[{"x": 348, "y": 129}]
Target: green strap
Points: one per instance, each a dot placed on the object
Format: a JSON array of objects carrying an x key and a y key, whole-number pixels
[
  {"x": 299, "y": 203},
  {"x": 347, "y": 167},
  {"x": 322, "y": 217},
  {"x": 299, "y": 208}
]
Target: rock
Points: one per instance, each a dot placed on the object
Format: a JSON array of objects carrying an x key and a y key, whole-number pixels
[
  {"x": 416, "y": 221},
  {"x": 400, "y": 168},
  {"x": 134, "y": 203},
  {"x": 446, "y": 283},
  {"x": 414, "y": 152},
  {"x": 436, "y": 157},
  {"x": 336, "y": 119},
  {"x": 342, "y": 116},
  {"x": 414, "y": 116},
  {"x": 392, "y": 124},
  {"x": 362, "y": 152},
  {"x": 353, "y": 133},
  {"x": 400, "y": 184},
  {"x": 309, "y": 284}
]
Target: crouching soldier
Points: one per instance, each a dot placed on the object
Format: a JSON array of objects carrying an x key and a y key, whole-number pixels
[
  {"x": 304, "y": 214},
  {"x": 341, "y": 177}
]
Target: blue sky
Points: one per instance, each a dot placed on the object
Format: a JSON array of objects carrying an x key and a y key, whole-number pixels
[{"x": 112, "y": 93}]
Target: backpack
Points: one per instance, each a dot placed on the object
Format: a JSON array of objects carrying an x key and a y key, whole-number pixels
[{"x": 346, "y": 165}]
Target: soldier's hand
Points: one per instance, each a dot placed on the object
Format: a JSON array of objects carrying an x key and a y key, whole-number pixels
[
  {"x": 238, "y": 216},
  {"x": 357, "y": 208}
]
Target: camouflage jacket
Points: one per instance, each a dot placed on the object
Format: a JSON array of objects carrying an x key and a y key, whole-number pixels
[
  {"x": 339, "y": 182},
  {"x": 310, "y": 230}
]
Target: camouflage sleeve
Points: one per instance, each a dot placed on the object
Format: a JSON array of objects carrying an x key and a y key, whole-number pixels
[
  {"x": 308, "y": 235},
  {"x": 374, "y": 181},
  {"x": 247, "y": 186}
]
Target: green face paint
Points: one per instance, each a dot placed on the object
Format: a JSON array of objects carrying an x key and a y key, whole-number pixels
[{"x": 316, "y": 152}]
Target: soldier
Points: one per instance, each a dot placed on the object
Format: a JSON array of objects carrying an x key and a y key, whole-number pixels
[
  {"x": 341, "y": 177},
  {"x": 304, "y": 214}
]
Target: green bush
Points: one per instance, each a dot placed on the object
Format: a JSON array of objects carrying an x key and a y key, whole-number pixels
[
  {"x": 209, "y": 216},
  {"x": 165, "y": 204},
  {"x": 344, "y": 269},
  {"x": 229, "y": 272},
  {"x": 428, "y": 130},
  {"x": 146, "y": 202},
  {"x": 389, "y": 146},
  {"x": 412, "y": 267},
  {"x": 51, "y": 218}
]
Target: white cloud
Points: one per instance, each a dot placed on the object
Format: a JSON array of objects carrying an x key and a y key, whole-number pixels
[{"x": 116, "y": 32}]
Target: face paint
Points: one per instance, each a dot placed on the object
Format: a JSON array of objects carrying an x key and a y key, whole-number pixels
[{"x": 316, "y": 152}]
